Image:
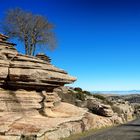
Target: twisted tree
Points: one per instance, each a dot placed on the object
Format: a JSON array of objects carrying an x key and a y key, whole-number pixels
[{"x": 33, "y": 30}]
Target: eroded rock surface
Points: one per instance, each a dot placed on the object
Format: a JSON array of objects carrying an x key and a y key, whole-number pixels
[
  {"x": 26, "y": 72},
  {"x": 30, "y": 107},
  {"x": 20, "y": 115},
  {"x": 99, "y": 108},
  {"x": 124, "y": 109},
  {"x": 98, "y": 104}
]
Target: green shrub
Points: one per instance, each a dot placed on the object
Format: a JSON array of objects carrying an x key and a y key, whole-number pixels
[
  {"x": 108, "y": 102},
  {"x": 99, "y": 96},
  {"x": 78, "y": 89},
  {"x": 104, "y": 99},
  {"x": 87, "y": 93},
  {"x": 80, "y": 96},
  {"x": 71, "y": 97}
]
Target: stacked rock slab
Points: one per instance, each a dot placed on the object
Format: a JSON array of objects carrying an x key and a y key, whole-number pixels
[
  {"x": 27, "y": 72},
  {"x": 42, "y": 56}
]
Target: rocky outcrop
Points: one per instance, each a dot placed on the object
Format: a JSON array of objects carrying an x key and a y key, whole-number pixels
[
  {"x": 130, "y": 99},
  {"x": 30, "y": 107},
  {"x": 89, "y": 121},
  {"x": 99, "y": 108},
  {"x": 124, "y": 110},
  {"x": 98, "y": 104},
  {"x": 26, "y": 72},
  {"x": 21, "y": 116}
]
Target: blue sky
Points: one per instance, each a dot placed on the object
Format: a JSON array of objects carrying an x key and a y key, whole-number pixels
[{"x": 98, "y": 40}]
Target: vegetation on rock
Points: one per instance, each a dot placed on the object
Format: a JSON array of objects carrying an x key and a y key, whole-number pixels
[{"x": 33, "y": 30}]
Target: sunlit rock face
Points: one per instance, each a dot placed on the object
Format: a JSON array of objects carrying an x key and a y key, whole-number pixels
[
  {"x": 30, "y": 106},
  {"x": 42, "y": 116},
  {"x": 27, "y": 72}
]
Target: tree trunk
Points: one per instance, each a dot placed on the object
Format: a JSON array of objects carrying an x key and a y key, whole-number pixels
[
  {"x": 26, "y": 47},
  {"x": 34, "y": 48}
]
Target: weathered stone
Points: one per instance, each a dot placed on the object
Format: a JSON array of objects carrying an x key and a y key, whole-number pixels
[
  {"x": 44, "y": 57},
  {"x": 99, "y": 108},
  {"x": 20, "y": 115},
  {"x": 19, "y": 101},
  {"x": 124, "y": 110},
  {"x": 39, "y": 114},
  {"x": 27, "y": 72}
]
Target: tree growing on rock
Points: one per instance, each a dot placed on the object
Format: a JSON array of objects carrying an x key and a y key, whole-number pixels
[{"x": 33, "y": 30}]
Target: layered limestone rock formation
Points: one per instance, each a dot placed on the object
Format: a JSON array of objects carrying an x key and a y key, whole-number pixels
[
  {"x": 98, "y": 104},
  {"x": 99, "y": 108},
  {"x": 19, "y": 73},
  {"x": 30, "y": 108},
  {"x": 27, "y": 114},
  {"x": 26, "y": 72}
]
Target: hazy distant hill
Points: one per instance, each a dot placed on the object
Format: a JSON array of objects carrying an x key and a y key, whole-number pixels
[{"x": 117, "y": 92}]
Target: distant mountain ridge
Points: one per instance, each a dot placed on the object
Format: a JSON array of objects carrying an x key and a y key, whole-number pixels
[{"x": 117, "y": 92}]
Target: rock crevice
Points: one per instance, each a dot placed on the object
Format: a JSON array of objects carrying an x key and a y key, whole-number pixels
[{"x": 41, "y": 110}]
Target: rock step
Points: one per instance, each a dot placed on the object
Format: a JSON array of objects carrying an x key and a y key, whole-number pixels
[{"x": 49, "y": 105}]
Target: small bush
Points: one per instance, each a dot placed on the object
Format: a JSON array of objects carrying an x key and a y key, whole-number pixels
[
  {"x": 87, "y": 93},
  {"x": 104, "y": 100},
  {"x": 78, "y": 89},
  {"x": 80, "y": 96},
  {"x": 99, "y": 97},
  {"x": 71, "y": 97},
  {"x": 108, "y": 102}
]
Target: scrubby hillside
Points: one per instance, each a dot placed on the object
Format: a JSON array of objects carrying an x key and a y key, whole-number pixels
[{"x": 97, "y": 103}]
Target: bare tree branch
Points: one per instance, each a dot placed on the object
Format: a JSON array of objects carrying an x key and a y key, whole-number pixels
[{"x": 33, "y": 30}]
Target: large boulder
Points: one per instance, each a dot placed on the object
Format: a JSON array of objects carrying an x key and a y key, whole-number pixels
[{"x": 99, "y": 108}]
